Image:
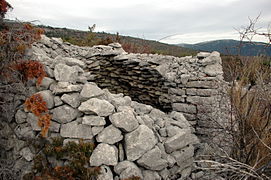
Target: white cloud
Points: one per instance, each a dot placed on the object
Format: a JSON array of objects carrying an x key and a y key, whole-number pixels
[{"x": 154, "y": 19}]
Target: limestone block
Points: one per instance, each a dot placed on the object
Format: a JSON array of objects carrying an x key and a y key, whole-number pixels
[
  {"x": 65, "y": 73},
  {"x": 93, "y": 120},
  {"x": 182, "y": 107},
  {"x": 75, "y": 130},
  {"x": 125, "y": 120},
  {"x": 110, "y": 135},
  {"x": 65, "y": 87},
  {"x": 64, "y": 114},
  {"x": 151, "y": 175},
  {"x": 180, "y": 140},
  {"x": 104, "y": 154},
  {"x": 127, "y": 169},
  {"x": 97, "y": 106},
  {"x": 72, "y": 99},
  {"x": 138, "y": 142},
  {"x": 105, "y": 173},
  {"x": 152, "y": 160},
  {"x": 91, "y": 90}
]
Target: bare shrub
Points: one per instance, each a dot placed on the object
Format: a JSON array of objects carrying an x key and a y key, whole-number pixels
[{"x": 249, "y": 125}]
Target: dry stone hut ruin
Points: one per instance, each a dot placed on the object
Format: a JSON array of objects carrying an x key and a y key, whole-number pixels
[{"x": 144, "y": 112}]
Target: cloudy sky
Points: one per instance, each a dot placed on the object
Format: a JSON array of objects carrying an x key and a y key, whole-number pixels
[{"x": 169, "y": 21}]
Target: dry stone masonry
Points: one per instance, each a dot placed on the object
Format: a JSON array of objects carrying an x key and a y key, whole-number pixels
[
  {"x": 142, "y": 111},
  {"x": 190, "y": 85}
]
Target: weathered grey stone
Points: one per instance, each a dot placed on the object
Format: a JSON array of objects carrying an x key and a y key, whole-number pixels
[
  {"x": 46, "y": 41},
  {"x": 210, "y": 60},
  {"x": 121, "y": 57},
  {"x": 124, "y": 120},
  {"x": 93, "y": 120},
  {"x": 46, "y": 82},
  {"x": 75, "y": 130},
  {"x": 71, "y": 99},
  {"x": 197, "y": 100},
  {"x": 182, "y": 122},
  {"x": 127, "y": 169},
  {"x": 27, "y": 154},
  {"x": 33, "y": 121},
  {"x": 91, "y": 90},
  {"x": 57, "y": 101},
  {"x": 156, "y": 114},
  {"x": 20, "y": 116},
  {"x": 48, "y": 97},
  {"x": 23, "y": 130},
  {"x": 138, "y": 142},
  {"x": 141, "y": 108},
  {"x": 57, "y": 40},
  {"x": 49, "y": 71},
  {"x": 96, "y": 130},
  {"x": 180, "y": 140},
  {"x": 105, "y": 173},
  {"x": 164, "y": 173},
  {"x": 176, "y": 91},
  {"x": 213, "y": 70},
  {"x": 201, "y": 84},
  {"x": 147, "y": 120},
  {"x": 64, "y": 114},
  {"x": 115, "y": 45},
  {"x": 201, "y": 92},
  {"x": 71, "y": 61},
  {"x": 183, "y": 154},
  {"x": 182, "y": 107},
  {"x": 54, "y": 127},
  {"x": 104, "y": 154},
  {"x": 97, "y": 106},
  {"x": 185, "y": 78},
  {"x": 110, "y": 135},
  {"x": 121, "y": 101},
  {"x": 82, "y": 79},
  {"x": 152, "y": 160},
  {"x": 65, "y": 87},
  {"x": 203, "y": 54},
  {"x": 65, "y": 73},
  {"x": 163, "y": 132},
  {"x": 172, "y": 130},
  {"x": 151, "y": 175}
]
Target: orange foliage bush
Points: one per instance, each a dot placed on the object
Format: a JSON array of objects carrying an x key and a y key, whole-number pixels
[
  {"x": 29, "y": 70},
  {"x": 38, "y": 106},
  {"x": 14, "y": 42}
]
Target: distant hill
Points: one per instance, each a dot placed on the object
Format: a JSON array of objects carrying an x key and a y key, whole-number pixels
[
  {"x": 72, "y": 35},
  {"x": 231, "y": 47},
  {"x": 154, "y": 46}
]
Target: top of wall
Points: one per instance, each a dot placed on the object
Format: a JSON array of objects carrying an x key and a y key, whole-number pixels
[{"x": 204, "y": 66}]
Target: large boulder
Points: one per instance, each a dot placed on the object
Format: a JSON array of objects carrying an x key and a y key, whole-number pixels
[
  {"x": 139, "y": 142},
  {"x": 65, "y": 73}
]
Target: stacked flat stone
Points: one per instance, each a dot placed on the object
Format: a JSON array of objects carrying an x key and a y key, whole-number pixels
[{"x": 132, "y": 139}]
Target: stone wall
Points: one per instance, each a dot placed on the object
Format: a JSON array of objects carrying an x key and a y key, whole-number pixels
[
  {"x": 141, "y": 111},
  {"x": 131, "y": 139},
  {"x": 190, "y": 85}
]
